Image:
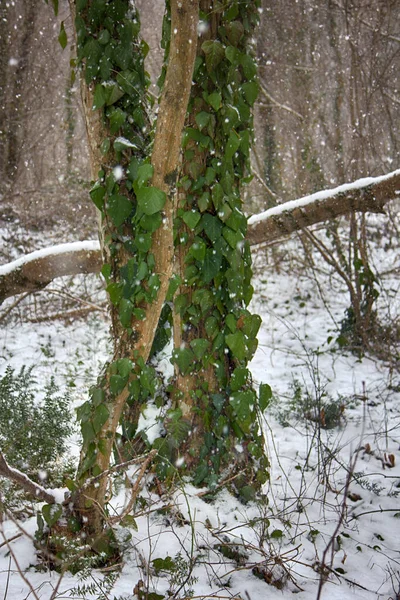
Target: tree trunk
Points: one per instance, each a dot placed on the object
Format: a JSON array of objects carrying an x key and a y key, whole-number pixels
[
  {"x": 129, "y": 212},
  {"x": 212, "y": 430}
]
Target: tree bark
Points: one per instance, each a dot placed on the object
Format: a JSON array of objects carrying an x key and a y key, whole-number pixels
[{"x": 136, "y": 344}]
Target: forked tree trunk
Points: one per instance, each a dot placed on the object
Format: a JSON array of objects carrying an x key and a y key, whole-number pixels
[{"x": 132, "y": 342}]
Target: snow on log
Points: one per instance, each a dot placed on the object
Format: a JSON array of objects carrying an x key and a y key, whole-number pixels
[
  {"x": 34, "y": 271},
  {"x": 24, "y": 482},
  {"x": 364, "y": 195}
]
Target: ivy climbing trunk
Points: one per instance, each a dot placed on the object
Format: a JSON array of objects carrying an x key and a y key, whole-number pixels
[
  {"x": 214, "y": 426},
  {"x": 134, "y": 193}
]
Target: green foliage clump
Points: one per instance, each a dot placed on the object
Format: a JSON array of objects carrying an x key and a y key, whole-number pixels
[
  {"x": 33, "y": 434},
  {"x": 323, "y": 410}
]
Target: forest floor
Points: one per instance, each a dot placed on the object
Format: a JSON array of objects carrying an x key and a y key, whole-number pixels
[{"x": 332, "y": 430}]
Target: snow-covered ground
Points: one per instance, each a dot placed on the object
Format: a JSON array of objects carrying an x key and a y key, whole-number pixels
[{"x": 333, "y": 506}]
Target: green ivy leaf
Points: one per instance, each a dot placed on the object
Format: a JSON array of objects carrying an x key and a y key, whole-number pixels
[
  {"x": 214, "y": 52},
  {"x": 232, "y": 12},
  {"x": 151, "y": 200},
  {"x": 83, "y": 412},
  {"x": 106, "y": 271},
  {"x": 264, "y": 396},
  {"x": 234, "y": 32},
  {"x": 105, "y": 67},
  {"x": 247, "y": 493},
  {"x": 232, "y": 54},
  {"x": 199, "y": 347},
  {"x": 249, "y": 66},
  {"x": 104, "y": 37},
  {"x": 217, "y": 194},
  {"x": 230, "y": 322},
  {"x": 204, "y": 201},
  {"x": 130, "y": 82},
  {"x": 92, "y": 51},
  {"x": 143, "y": 241},
  {"x": 62, "y": 36},
  {"x": 277, "y": 534},
  {"x": 191, "y": 218},
  {"x": 180, "y": 303},
  {"x": 239, "y": 378},
  {"x": 210, "y": 175},
  {"x": 114, "y": 291},
  {"x": 251, "y": 325},
  {"x": 142, "y": 271},
  {"x": 212, "y": 227},
  {"x": 144, "y": 174},
  {"x": 113, "y": 94},
  {"x": 99, "y": 98},
  {"x": 245, "y": 143},
  {"x": 204, "y": 298},
  {"x": 121, "y": 144},
  {"x": 232, "y": 145},
  {"x": 243, "y": 405},
  {"x": 250, "y": 90},
  {"x": 194, "y": 134},
  {"x": 119, "y": 208},
  {"x": 164, "y": 564},
  {"x": 88, "y": 433},
  {"x": 211, "y": 326},
  {"x": 237, "y": 345},
  {"x": 211, "y": 265},
  {"x": 97, "y": 194},
  {"x": 117, "y": 384},
  {"x": 184, "y": 358},
  {"x": 201, "y": 473},
  {"x": 117, "y": 118},
  {"x": 174, "y": 284},
  {"x": 232, "y": 237},
  {"x": 97, "y": 395},
  {"x": 100, "y": 417},
  {"x": 51, "y": 513},
  {"x": 198, "y": 249},
  {"x": 202, "y": 119},
  {"x": 214, "y": 100},
  {"x": 151, "y": 222},
  {"x": 105, "y": 146},
  {"x": 125, "y": 312},
  {"x": 218, "y": 401}
]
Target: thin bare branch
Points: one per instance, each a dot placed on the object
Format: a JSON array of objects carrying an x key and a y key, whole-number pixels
[{"x": 279, "y": 105}]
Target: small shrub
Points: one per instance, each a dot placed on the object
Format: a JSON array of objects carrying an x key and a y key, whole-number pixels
[
  {"x": 33, "y": 432},
  {"x": 324, "y": 410}
]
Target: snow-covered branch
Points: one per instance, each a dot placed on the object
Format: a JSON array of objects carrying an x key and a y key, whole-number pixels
[
  {"x": 364, "y": 195},
  {"x": 24, "y": 482},
  {"x": 34, "y": 271}
]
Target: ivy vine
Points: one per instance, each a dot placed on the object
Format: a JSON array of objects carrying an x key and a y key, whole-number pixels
[
  {"x": 211, "y": 295},
  {"x": 218, "y": 331}
]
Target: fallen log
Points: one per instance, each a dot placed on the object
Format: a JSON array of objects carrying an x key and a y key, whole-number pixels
[{"x": 34, "y": 271}]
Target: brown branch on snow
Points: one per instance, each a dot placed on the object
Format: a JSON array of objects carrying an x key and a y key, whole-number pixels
[
  {"x": 364, "y": 195},
  {"x": 24, "y": 482},
  {"x": 35, "y": 271}
]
